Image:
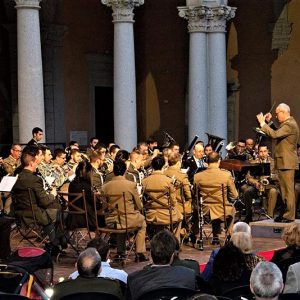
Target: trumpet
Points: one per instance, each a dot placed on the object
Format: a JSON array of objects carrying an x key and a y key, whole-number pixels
[{"x": 264, "y": 181}]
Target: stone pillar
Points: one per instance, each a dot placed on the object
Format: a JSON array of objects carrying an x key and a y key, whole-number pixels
[
  {"x": 217, "y": 107},
  {"x": 125, "y": 120},
  {"x": 207, "y": 68},
  {"x": 30, "y": 72},
  {"x": 198, "y": 89}
]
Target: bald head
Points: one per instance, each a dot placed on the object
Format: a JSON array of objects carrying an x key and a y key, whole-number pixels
[
  {"x": 89, "y": 263},
  {"x": 198, "y": 151}
]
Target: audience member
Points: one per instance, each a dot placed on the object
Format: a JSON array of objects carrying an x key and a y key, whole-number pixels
[
  {"x": 88, "y": 266},
  {"x": 229, "y": 269},
  {"x": 292, "y": 282},
  {"x": 106, "y": 270},
  {"x": 243, "y": 241},
  {"x": 266, "y": 281},
  {"x": 291, "y": 237},
  {"x": 161, "y": 274},
  {"x": 237, "y": 227}
]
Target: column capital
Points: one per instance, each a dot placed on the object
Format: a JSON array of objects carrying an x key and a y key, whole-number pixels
[
  {"x": 207, "y": 19},
  {"x": 122, "y": 9},
  {"x": 33, "y": 4}
]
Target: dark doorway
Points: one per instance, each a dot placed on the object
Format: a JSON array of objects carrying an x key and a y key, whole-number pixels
[{"x": 104, "y": 114}]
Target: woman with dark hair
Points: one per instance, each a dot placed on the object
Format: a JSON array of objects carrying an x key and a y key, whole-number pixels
[
  {"x": 82, "y": 182},
  {"x": 229, "y": 269}
]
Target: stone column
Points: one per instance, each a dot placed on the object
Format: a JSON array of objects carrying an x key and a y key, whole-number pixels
[
  {"x": 217, "y": 107},
  {"x": 198, "y": 89},
  {"x": 30, "y": 72},
  {"x": 125, "y": 121}
]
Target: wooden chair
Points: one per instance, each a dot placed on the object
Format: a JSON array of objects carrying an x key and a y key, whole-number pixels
[
  {"x": 153, "y": 201},
  {"x": 28, "y": 227},
  {"x": 74, "y": 207},
  {"x": 211, "y": 196},
  {"x": 115, "y": 219}
]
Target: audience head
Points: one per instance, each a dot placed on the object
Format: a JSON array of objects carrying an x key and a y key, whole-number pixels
[
  {"x": 203, "y": 297},
  {"x": 163, "y": 246},
  {"x": 101, "y": 246},
  {"x": 291, "y": 235},
  {"x": 158, "y": 162},
  {"x": 243, "y": 241},
  {"x": 266, "y": 281},
  {"x": 241, "y": 227},
  {"x": 37, "y": 134},
  {"x": 89, "y": 263},
  {"x": 119, "y": 168},
  {"x": 229, "y": 271}
]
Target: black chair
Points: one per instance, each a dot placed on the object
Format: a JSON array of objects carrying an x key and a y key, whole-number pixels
[
  {"x": 289, "y": 296},
  {"x": 223, "y": 298},
  {"x": 168, "y": 294},
  {"x": 90, "y": 296},
  {"x": 238, "y": 292}
]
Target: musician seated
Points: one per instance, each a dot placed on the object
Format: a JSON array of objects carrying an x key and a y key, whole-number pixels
[
  {"x": 156, "y": 213},
  {"x": 239, "y": 151},
  {"x": 257, "y": 186},
  {"x": 195, "y": 163},
  {"x": 46, "y": 206},
  {"x": 209, "y": 183},
  {"x": 182, "y": 185}
]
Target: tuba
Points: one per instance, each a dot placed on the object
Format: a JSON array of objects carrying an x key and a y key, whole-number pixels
[{"x": 215, "y": 142}]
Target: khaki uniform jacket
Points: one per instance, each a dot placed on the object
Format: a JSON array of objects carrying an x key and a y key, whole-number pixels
[
  {"x": 182, "y": 189},
  {"x": 286, "y": 136},
  {"x": 213, "y": 178},
  {"x": 117, "y": 186},
  {"x": 158, "y": 181},
  {"x": 10, "y": 164}
]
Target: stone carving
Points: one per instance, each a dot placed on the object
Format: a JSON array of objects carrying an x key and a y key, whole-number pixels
[
  {"x": 207, "y": 19},
  {"x": 28, "y": 4},
  {"x": 123, "y": 9}
]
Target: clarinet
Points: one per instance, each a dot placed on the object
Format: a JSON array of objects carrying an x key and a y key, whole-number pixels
[{"x": 199, "y": 241}]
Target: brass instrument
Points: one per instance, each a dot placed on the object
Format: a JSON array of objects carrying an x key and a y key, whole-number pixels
[
  {"x": 264, "y": 181},
  {"x": 215, "y": 142},
  {"x": 167, "y": 140},
  {"x": 231, "y": 146}
]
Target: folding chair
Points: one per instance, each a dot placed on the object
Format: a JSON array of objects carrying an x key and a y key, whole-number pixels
[
  {"x": 27, "y": 225},
  {"x": 74, "y": 207},
  {"x": 154, "y": 201},
  {"x": 115, "y": 218},
  {"x": 212, "y": 196}
]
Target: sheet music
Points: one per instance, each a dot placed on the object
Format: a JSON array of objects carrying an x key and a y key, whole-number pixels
[{"x": 7, "y": 183}]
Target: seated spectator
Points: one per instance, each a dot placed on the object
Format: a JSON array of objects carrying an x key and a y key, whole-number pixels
[
  {"x": 106, "y": 270},
  {"x": 237, "y": 227},
  {"x": 229, "y": 269},
  {"x": 88, "y": 266},
  {"x": 291, "y": 237},
  {"x": 266, "y": 281},
  {"x": 292, "y": 282},
  {"x": 243, "y": 241},
  {"x": 188, "y": 263},
  {"x": 161, "y": 274}
]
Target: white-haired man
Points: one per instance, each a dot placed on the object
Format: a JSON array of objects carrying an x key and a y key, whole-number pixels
[
  {"x": 266, "y": 281},
  {"x": 285, "y": 155}
]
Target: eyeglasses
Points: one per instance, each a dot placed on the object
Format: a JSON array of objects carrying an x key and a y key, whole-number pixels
[{"x": 17, "y": 150}]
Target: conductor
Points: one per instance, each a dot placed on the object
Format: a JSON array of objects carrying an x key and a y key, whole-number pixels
[{"x": 285, "y": 155}]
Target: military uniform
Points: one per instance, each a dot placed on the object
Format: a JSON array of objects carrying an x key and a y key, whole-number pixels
[
  {"x": 96, "y": 179},
  {"x": 270, "y": 190},
  {"x": 214, "y": 178},
  {"x": 155, "y": 213},
  {"x": 117, "y": 186},
  {"x": 136, "y": 176},
  {"x": 10, "y": 164},
  {"x": 286, "y": 160},
  {"x": 183, "y": 190}
]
